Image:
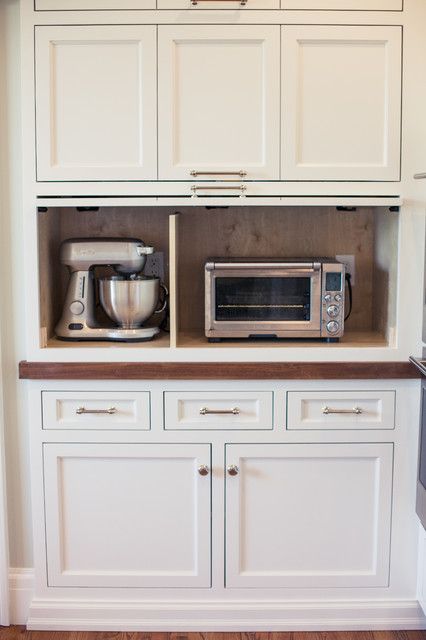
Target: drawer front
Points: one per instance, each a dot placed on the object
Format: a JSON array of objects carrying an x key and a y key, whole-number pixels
[
  {"x": 92, "y": 5},
  {"x": 341, "y": 410},
  {"x": 96, "y": 410},
  {"x": 218, "y": 410}
]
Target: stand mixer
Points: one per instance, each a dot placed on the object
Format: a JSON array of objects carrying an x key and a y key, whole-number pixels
[{"x": 127, "y": 297}]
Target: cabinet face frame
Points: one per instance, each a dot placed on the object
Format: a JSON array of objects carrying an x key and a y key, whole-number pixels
[
  {"x": 300, "y": 149},
  {"x": 58, "y": 45},
  {"x": 57, "y": 511},
  {"x": 174, "y": 48},
  {"x": 237, "y": 499}
]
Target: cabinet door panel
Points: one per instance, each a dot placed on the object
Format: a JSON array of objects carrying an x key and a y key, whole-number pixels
[
  {"x": 96, "y": 102},
  {"x": 308, "y": 515},
  {"x": 341, "y": 103},
  {"x": 218, "y": 100},
  {"x": 122, "y": 515}
]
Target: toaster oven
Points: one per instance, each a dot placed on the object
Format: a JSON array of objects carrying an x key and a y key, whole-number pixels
[{"x": 274, "y": 298}]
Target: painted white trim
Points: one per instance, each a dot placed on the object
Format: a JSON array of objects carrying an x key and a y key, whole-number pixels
[
  {"x": 61, "y": 614},
  {"x": 4, "y": 546},
  {"x": 21, "y": 589}
]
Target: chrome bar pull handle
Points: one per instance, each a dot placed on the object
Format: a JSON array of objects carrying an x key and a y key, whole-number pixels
[
  {"x": 233, "y": 470},
  {"x": 355, "y": 411},
  {"x": 241, "y": 173},
  {"x": 420, "y": 176},
  {"x": 203, "y": 470},
  {"x": 219, "y": 412},
  {"x": 195, "y": 2},
  {"x": 82, "y": 410},
  {"x": 222, "y": 187}
]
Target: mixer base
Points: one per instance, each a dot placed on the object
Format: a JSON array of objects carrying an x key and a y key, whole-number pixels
[{"x": 112, "y": 334}]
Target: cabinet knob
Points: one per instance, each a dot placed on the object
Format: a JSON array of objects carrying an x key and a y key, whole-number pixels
[
  {"x": 203, "y": 470},
  {"x": 233, "y": 470}
]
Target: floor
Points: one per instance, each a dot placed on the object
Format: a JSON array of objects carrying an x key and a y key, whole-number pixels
[{"x": 20, "y": 633}]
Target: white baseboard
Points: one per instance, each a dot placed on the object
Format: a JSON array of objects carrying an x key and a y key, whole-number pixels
[
  {"x": 224, "y": 616},
  {"x": 21, "y": 590},
  {"x": 96, "y": 615}
]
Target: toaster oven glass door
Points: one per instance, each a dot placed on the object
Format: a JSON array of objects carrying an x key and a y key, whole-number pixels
[{"x": 257, "y": 299}]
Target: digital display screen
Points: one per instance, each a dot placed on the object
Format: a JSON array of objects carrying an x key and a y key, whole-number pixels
[{"x": 333, "y": 281}]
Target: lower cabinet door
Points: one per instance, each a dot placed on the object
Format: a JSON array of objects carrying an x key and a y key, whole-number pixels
[
  {"x": 308, "y": 515},
  {"x": 127, "y": 515}
]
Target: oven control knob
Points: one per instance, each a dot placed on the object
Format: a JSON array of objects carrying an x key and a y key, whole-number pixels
[
  {"x": 332, "y": 327},
  {"x": 76, "y": 308},
  {"x": 333, "y": 311},
  {"x": 338, "y": 297},
  {"x": 327, "y": 297}
]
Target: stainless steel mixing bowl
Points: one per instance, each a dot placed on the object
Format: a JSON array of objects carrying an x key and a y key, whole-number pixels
[{"x": 129, "y": 302}]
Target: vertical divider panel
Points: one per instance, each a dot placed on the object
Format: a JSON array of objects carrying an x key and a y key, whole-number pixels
[{"x": 173, "y": 275}]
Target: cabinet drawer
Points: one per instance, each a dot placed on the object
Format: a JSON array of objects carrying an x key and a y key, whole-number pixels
[
  {"x": 345, "y": 5},
  {"x": 218, "y": 410},
  {"x": 96, "y": 410},
  {"x": 92, "y": 5},
  {"x": 341, "y": 410}
]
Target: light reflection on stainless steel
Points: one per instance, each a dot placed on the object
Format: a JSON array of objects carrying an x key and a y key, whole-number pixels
[{"x": 129, "y": 302}]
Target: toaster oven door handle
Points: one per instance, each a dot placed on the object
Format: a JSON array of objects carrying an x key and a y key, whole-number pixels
[{"x": 306, "y": 267}]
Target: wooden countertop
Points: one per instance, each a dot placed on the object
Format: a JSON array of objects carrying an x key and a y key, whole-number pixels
[{"x": 216, "y": 370}]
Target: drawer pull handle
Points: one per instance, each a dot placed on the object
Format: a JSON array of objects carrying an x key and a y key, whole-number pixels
[
  {"x": 195, "y": 2},
  {"x": 420, "y": 176},
  {"x": 356, "y": 410},
  {"x": 220, "y": 412},
  {"x": 195, "y": 173},
  {"x": 197, "y": 187},
  {"x": 203, "y": 470},
  {"x": 82, "y": 410},
  {"x": 233, "y": 470}
]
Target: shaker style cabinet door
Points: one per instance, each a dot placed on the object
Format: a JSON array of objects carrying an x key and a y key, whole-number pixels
[
  {"x": 96, "y": 102},
  {"x": 308, "y": 515},
  {"x": 218, "y": 102},
  {"x": 341, "y": 103},
  {"x": 127, "y": 515}
]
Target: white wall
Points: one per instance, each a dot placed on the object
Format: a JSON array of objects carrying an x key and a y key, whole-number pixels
[{"x": 12, "y": 312}]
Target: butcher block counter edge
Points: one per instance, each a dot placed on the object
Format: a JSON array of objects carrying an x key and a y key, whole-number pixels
[{"x": 216, "y": 370}]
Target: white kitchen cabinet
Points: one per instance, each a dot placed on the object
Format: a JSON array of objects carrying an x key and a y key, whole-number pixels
[
  {"x": 127, "y": 515},
  {"x": 308, "y": 515},
  {"x": 96, "y": 102},
  {"x": 341, "y": 102},
  {"x": 196, "y": 5},
  {"x": 218, "y": 101},
  {"x": 99, "y": 410},
  {"x": 213, "y": 410},
  {"x": 337, "y": 410},
  {"x": 92, "y": 5},
  {"x": 338, "y": 5}
]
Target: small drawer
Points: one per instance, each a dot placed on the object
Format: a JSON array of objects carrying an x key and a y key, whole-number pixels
[
  {"x": 92, "y": 5},
  {"x": 341, "y": 410},
  {"x": 218, "y": 410},
  {"x": 96, "y": 410}
]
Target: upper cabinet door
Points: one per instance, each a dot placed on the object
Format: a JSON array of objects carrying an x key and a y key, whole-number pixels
[
  {"x": 218, "y": 101},
  {"x": 355, "y": 5},
  {"x": 96, "y": 102},
  {"x": 341, "y": 110}
]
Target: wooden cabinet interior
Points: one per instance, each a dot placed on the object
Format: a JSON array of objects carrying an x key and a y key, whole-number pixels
[{"x": 196, "y": 233}]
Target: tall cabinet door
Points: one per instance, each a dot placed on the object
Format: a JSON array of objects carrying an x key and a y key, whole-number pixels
[
  {"x": 341, "y": 102},
  {"x": 127, "y": 515},
  {"x": 308, "y": 515},
  {"x": 219, "y": 97},
  {"x": 96, "y": 102}
]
